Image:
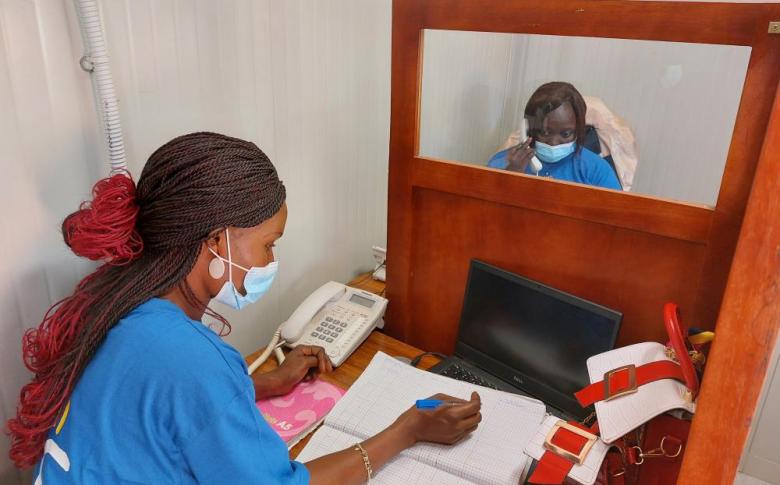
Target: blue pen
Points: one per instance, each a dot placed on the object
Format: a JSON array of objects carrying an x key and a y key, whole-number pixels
[{"x": 428, "y": 403}]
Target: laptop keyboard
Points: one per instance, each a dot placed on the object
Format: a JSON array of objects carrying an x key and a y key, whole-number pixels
[{"x": 462, "y": 374}]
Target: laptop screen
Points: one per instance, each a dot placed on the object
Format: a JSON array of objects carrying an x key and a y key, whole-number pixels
[{"x": 531, "y": 335}]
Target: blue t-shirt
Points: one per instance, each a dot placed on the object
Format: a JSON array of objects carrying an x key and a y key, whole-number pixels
[
  {"x": 584, "y": 168},
  {"x": 165, "y": 400}
]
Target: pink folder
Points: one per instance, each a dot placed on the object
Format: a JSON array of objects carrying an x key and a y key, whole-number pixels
[{"x": 296, "y": 414}]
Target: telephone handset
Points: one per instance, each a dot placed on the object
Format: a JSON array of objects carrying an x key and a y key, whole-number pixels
[
  {"x": 536, "y": 165},
  {"x": 336, "y": 317}
]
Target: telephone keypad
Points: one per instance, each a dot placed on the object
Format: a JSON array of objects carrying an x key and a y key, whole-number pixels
[{"x": 339, "y": 322}]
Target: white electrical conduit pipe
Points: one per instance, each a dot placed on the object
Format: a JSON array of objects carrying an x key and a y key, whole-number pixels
[{"x": 95, "y": 61}]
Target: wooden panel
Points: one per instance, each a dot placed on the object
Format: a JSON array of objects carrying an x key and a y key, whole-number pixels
[
  {"x": 628, "y": 252},
  {"x": 688, "y": 222},
  {"x": 717, "y": 229},
  {"x": 603, "y": 263},
  {"x": 708, "y": 23},
  {"x": 746, "y": 332},
  {"x": 751, "y": 125}
]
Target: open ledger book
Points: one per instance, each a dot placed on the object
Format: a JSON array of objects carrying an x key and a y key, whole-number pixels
[{"x": 493, "y": 454}]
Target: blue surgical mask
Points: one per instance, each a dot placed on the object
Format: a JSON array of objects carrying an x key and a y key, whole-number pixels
[
  {"x": 256, "y": 282},
  {"x": 554, "y": 153}
]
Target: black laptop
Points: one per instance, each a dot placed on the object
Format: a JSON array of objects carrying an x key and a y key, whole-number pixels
[{"x": 521, "y": 336}]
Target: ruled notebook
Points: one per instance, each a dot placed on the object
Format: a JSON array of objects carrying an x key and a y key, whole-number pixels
[{"x": 493, "y": 454}]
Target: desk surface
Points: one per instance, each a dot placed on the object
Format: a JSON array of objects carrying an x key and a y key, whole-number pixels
[
  {"x": 350, "y": 370},
  {"x": 366, "y": 282}
]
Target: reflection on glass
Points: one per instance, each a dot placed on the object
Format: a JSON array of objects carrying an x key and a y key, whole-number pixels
[
  {"x": 660, "y": 114},
  {"x": 553, "y": 145}
]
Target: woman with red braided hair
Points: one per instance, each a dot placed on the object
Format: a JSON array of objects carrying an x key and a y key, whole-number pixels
[{"x": 130, "y": 387}]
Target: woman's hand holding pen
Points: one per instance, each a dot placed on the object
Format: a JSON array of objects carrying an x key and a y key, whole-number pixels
[
  {"x": 446, "y": 424},
  {"x": 520, "y": 156},
  {"x": 449, "y": 422}
]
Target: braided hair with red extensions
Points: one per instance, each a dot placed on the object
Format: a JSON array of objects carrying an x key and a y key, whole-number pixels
[{"x": 148, "y": 238}]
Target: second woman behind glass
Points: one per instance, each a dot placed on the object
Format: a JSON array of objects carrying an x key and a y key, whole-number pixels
[{"x": 556, "y": 134}]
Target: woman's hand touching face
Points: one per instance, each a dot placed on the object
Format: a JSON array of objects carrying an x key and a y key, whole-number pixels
[{"x": 520, "y": 156}]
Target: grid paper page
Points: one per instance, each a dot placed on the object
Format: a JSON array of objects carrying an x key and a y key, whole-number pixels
[
  {"x": 492, "y": 454},
  {"x": 585, "y": 473},
  {"x": 399, "y": 470},
  {"x": 621, "y": 415}
]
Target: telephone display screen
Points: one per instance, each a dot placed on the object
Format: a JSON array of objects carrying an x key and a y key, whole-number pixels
[
  {"x": 533, "y": 336},
  {"x": 360, "y": 300}
]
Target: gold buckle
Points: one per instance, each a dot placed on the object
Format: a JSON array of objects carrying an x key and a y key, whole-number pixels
[
  {"x": 609, "y": 394},
  {"x": 564, "y": 453}
]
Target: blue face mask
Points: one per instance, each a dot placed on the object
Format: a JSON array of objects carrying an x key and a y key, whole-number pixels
[
  {"x": 554, "y": 153},
  {"x": 256, "y": 282}
]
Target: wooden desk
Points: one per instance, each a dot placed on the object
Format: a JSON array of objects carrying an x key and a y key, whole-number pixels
[
  {"x": 350, "y": 370},
  {"x": 366, "y": 282}
]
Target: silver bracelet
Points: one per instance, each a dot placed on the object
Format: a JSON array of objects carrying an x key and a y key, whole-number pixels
[{"x": 366, "y": 462}]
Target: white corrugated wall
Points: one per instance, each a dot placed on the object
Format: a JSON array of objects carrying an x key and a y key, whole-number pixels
[
  {"x": 308, "y": 81},
  {"x": 49, "y": 152}
]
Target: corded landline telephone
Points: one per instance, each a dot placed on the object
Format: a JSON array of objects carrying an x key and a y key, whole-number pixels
[
  {"x": 536, "y": 165},
  {"x": 335, "y": 317}
]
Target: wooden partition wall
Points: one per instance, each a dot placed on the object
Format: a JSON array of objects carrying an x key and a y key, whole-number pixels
[{"x": 628, "y": 252}]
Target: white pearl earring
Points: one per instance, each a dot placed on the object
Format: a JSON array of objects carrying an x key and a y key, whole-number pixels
[{"x": 216, "y": 268}]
